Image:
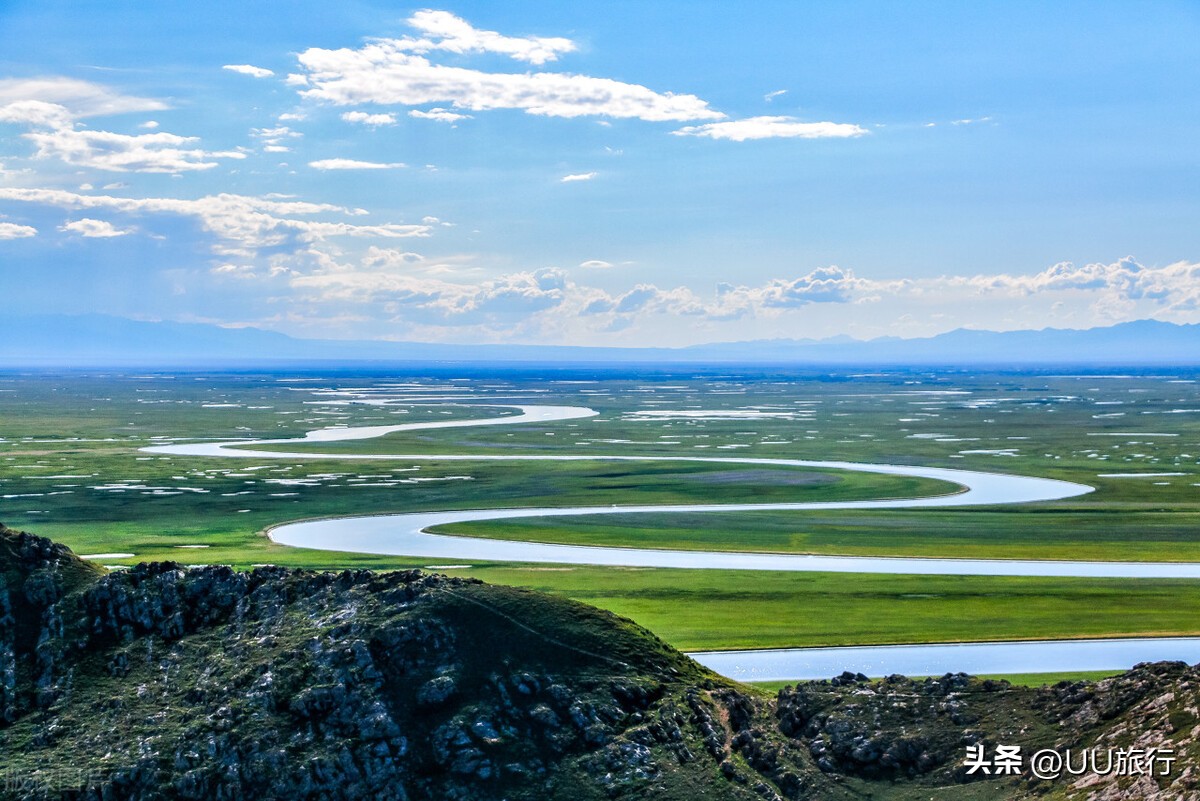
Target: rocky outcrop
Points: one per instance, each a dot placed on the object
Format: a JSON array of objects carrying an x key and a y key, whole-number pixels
[{"x": 208, "y": 683}]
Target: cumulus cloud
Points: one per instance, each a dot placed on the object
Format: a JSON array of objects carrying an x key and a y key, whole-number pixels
[
  {"x": 434, "y": 300},
  {"x": 380, "y": 73},
  {"x": 581, "y": 176},
  {"x": 1124, "y": 289},
  {"x": 56, "y": 134},
  {"x": 352, "y": 164},
  {"x": 824, "y": 285},
  {"x": 82, "y": 98},
  {"x": 371, "y": 120},
  {"x": 399, "y": 286},
  {"x": 643, "y": 299},
  {"x": 243, "y": 225},
  {"x": 244, "y": 271},
  {"x": 7, "y": 173},
  {"x": 249, "y": 69},
  {"x": 1126, "y": 281},
  {"x": 92, "y": 229},
  {"x": 439, "y": 115},
  {"x": 772, "y": 128},
  {"x": 273, "y": 138},
  {"x": 444, "y": 31},
  {"x": 636, "y": 299},
  {"x": 113, "y": 152},
  {"x": 52, "y": 108},
  {"x": 400, "y": 72},
  {"x": 405, "y": 71},
  {"x": 14, "y": 231},
  {"x": 1175, "y": 285},
  {"x": 388, "y": 257},
  {"x": 36, "y": 112}
]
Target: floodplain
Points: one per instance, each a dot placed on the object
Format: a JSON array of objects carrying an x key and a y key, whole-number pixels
[{"x": 72, "y": 468}]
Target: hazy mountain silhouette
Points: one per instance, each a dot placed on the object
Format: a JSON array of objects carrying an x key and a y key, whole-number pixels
[{"x": 92, "y": 340}]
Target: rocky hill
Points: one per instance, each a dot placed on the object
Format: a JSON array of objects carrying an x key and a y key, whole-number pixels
[{"x": 206, "y": 683}]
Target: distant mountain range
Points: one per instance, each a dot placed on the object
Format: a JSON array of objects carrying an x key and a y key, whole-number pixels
[{"x": 99, "y": 340}]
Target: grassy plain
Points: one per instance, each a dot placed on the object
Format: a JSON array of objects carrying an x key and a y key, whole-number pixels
[
  {"x": 1034, "y": 532},
  {"x": 1018, "y": 679},
  {"x": 70, "y": 469}
]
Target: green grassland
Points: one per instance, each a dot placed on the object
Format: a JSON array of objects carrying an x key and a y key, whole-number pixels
[
  {"x": 715, "y": 610},
  {"x": 1018, "y": 679},
  {"x": 70, "y": 468},
  {"x": 1039, "y": 531}
]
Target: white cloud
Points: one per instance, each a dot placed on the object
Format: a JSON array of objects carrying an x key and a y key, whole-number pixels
[
  {"x": 637, "y": 299},
  {"x": 249, "y": 69},
  {"x": 242, "y": 224},
  {"x": 595, "y": 264},
  {"x": 377, "y": 257},
  {"x": 1123, "y": 289},
  {"x": 273, "y": 138},
  {"x": 36, "y": 112},
  {"x": 506, "y": 297},
  {"x": 352, "y": 164},
  {"x": 824, "y": 285},
  {"x": 112, "y": 152},
  {"x": 416, "y": 294},
  {"x": 643, "y": 299},
  {"x": 149, "y": 125},
  {"x": 456, "y": 35},
  {"x": 421, "y": 300},
  {"x": 769, "y": 96},
  {"x": 82, "y": 98},
  {"x": 772, "y": 128},
  {"x": 581, "y": 176},
  {"x": 274, "y": 135},
  {"x": 1175, "y": 285},
  {"x": 92, "y": 229},
  {"x": 235, "y": 271},
  {"x": 1102, "y": 292},
  {"x": 56, "y": 135},
  {"x": 372, "y": 120},
  {"x": 14, "y": 231},
  {"x": 396, "y": 72},
  {"x": 439, "y": 115}
]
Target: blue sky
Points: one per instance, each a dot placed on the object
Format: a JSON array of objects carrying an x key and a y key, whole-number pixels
[{"x": 602, "y": 173}]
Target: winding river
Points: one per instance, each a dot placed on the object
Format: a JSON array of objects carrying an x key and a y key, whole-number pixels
[{"x": 409, "y": 535}]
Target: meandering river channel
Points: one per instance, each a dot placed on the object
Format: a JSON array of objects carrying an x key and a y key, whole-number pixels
[{"x": 409, "y": 535}]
